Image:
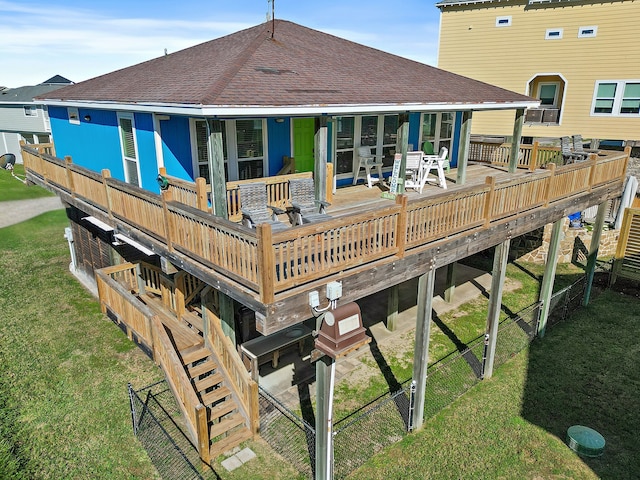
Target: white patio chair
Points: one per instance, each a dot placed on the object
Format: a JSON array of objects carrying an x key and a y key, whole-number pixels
[
  {"x": 368, "y": 161},
  {"x": 436, "y": 162},
  {"x": 414, "y": 174}
]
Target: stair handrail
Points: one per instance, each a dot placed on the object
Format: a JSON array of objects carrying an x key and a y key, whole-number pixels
[{"x": 240, "y": 381}]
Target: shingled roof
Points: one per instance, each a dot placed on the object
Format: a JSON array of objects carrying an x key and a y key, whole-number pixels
[{"x": 297, "y": 69}]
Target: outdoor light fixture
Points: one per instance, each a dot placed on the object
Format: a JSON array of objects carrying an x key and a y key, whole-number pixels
[
  {"x": 279, "y": 120},
  {"x": 87, "y": 118}
]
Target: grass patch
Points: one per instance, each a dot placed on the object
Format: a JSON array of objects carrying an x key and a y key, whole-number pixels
[
  {"x": 585, "y": 371},
  {"x": 12, "y": 189},
  {"x": 64, "y": 367}
]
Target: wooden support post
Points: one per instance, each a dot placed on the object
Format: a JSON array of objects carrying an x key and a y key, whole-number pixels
[
  {"x": 201, "y": 194},
  {"x": 266, "y": 263},
  {"x": 392, "y": 307},
  {"x": 450, "y": 286},
  {"x": 463, "y": 151},
  {"x": 401, "y": 226},
  {"x": 227, "y": 316},
  {"x": 402, "y": 145},
  {"x": 426, "y": 284},
  {"x": 515, "y": 141},
  {"x": 168, "y": 226},
  {"x": 67, "y": 163},
  {"x": 202, "y": 431},
  {"x": 593, "y": 251},
  {"x": 179, "y": 287},
  {"x": 106, "y": 175},
  {"x": 216, "y": 169},
  {"x": 142, "y": 288},
  {"x": 329, "y": 182},
  {"x": 546, "y": 289},
  {"x": 320, "y": 160},
  {"x": 500, "y": 259},
  {"x": 535, "y": 151}
]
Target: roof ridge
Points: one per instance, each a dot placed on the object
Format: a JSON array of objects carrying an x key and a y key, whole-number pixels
[{"x": 224, "y": 79}]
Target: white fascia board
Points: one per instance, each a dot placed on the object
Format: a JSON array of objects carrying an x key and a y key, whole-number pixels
[
  {"x": 134, "y": 244},
  {"x": 295, "y": 110},
  {"x": 98, "y": 223}
]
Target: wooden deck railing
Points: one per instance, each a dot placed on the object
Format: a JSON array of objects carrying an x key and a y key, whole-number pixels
[
  {"x": 530, "y": 156},
  {"x": 149, "y": 330},
  {"x": 272, "y": 262},
  {"x": 246, "y": 390},
  {"x": 198, "y": 194}
]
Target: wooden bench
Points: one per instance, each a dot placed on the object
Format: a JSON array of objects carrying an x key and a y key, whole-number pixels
[{"x": 263, "y": 349}]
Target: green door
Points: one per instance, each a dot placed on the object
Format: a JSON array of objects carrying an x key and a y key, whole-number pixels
[{"x": 303, "y": 140}]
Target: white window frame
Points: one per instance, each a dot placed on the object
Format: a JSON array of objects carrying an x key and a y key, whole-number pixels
[
  {"x": 438, "y": 140},
  {"x": 550, "y": 31},
  {"x": 593, "y": 33},
  {"x": 232, "y": 158},
  {"x": 617, "y": 100},
  {"x": 125, "y": 158},
  {"x": 74, "y": 115},
  {"x": 503, "y": 21},
  {"x": 555, "y": 98},
  {"x": 32, "y": 111}
]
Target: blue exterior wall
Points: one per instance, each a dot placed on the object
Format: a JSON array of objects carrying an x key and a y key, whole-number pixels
[
  {"x": 455, "y": 141},
  {"x": 95, "y": 143},
  {"x": 92, "y": 144},
  {"x": 176, "y": 147},
  {"x": 414, "y": 130},
  {"x": 278, "y": 143}
]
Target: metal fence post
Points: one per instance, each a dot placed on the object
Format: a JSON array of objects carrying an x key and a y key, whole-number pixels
[{"x": 134, "y": 419}]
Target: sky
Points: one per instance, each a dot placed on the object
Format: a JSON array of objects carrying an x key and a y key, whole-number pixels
[{"x": 83, "y": 39}]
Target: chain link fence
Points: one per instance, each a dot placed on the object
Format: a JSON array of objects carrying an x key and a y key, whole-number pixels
[
  {"x": 365, "y": 431},
  {"x": 157, "y": 423}
]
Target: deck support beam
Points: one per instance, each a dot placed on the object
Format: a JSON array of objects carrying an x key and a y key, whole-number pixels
[
  {"x": 593, "y": 251},
  {"x": 546, "y": 289},
  {"x": 515, "y": 141},
  {"x": 392, "y": 307},
  {"x": 463, "y": 152},
  {"x": 320, "y": 160},
  {"x": 216, "y": 168},
  {"x": 403, "y": 146},
  {"x": 500, "y": 259},
  {"x": 426, "y": 285},
  {"x": 450, "y": 286}
]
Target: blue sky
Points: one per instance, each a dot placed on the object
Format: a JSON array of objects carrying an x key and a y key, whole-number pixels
[{"x": 83, "y": 39}]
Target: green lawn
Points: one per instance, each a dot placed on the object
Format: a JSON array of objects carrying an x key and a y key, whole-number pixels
[
  {"x": 585, "y": 371},
  {"x": 13, "y": 189}
]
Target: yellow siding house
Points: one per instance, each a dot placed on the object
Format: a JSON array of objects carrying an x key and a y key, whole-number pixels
[{"x": 580, "y": 58}]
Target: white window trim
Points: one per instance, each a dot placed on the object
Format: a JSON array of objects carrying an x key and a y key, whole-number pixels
[
  {"x": 31, "y": 108},
  {"x": 74, "y": 115},
  {"x": 548, "y": 36},
  {"x": 617, "y": 101},
  {"x": 130, "y": 116},
  {"x": 588, "y": 35},
  {"x": 503, "y": 21}
]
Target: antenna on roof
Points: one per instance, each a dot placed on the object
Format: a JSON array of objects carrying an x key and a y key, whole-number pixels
[{"x": 272, "y": 15}]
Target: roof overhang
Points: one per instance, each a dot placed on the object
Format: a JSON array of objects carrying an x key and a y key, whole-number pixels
[
  {"x": 471, "y": 2},
  {"x": 291, "y": 110}
]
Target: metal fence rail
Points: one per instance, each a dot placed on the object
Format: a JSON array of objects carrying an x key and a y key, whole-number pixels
[{"x": 156, "y": 423}]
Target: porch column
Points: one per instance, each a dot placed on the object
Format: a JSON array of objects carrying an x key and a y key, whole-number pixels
[
  {"x": 216, "y": 168},
  {"x": 320, "y": 160},
  {"x": 515, "y": 141},
  {"x": 450, "y": 286},
  {"x": 426, "y": 285},
  {"x": 402, "y": 143},
  {"x": 500, "y": 259},
  {"x": 463, "y": 151},
  {"x": 593, "y": 251},
  {"x": 546, "y": 289},
  {"x": 392, "y": 307}
]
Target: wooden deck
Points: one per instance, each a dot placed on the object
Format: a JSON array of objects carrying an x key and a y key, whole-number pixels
[{"x": 369, "y": 244}]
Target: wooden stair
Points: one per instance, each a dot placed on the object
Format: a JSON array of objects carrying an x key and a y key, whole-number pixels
[{"x": 227, "y": 425}]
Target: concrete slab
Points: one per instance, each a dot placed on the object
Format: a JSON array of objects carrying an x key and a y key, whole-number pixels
[
  {"x": 245, "y": 455},
  {"x": 20, "y": 210},
  {"x": 231, "y": 463}
]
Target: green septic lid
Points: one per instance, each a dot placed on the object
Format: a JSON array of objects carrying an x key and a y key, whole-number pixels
[{"x": 585, "y": 441}]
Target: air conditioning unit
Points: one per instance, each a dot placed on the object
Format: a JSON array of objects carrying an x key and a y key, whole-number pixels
[
  {"x": 533, "y": 115},
  {"x": 550, "y": 115}
]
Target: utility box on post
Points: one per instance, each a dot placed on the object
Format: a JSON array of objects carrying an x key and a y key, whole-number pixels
[{"x": 341, "y": 331}]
